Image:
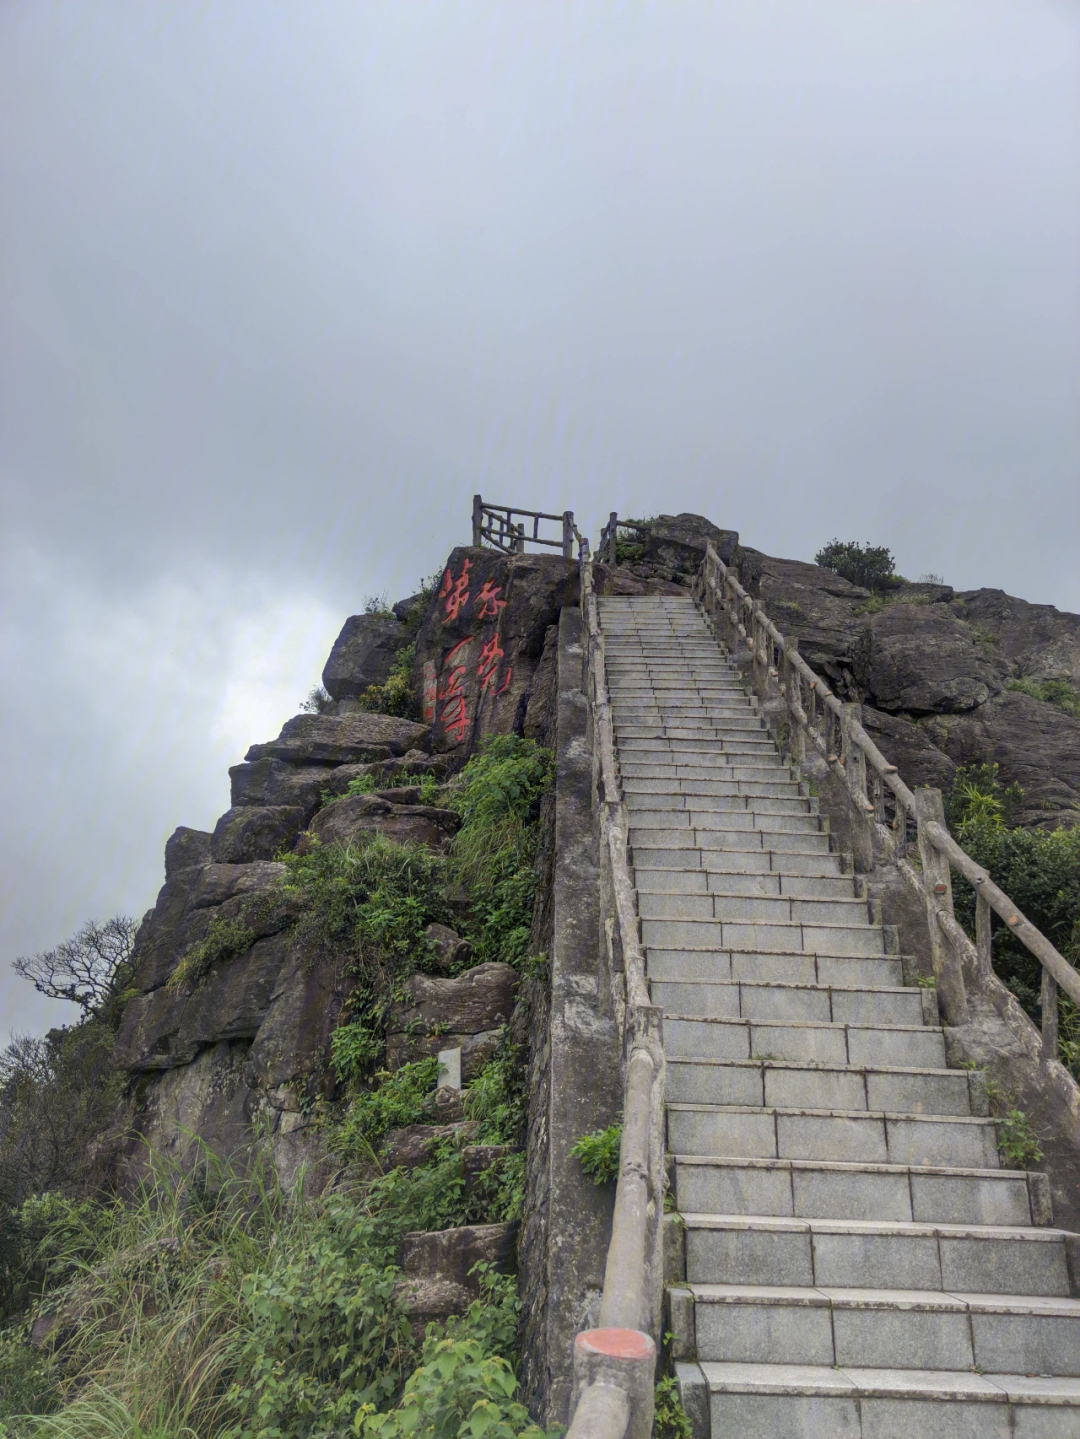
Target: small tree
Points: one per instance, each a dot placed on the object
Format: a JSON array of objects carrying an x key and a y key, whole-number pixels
[
  {"x": 870, "y": 566},
  {"x": 91, "y": 969}
]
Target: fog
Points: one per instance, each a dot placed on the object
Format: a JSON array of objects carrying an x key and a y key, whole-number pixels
[{"x": 283, "y": 284}]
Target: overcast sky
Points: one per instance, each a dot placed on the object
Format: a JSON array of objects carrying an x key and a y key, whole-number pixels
[{"x": 283, "y": 284}]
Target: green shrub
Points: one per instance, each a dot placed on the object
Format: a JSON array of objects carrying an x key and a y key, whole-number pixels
[
  {"x": 599, "y": 1153},
  {"x": 354, "y": 1048},
  {"x": 1038, "y": 869},
  {"x": 395, "y": 696},
  {"x": 496, "y": 1097},
  {"x": 871, "y": 566},
  {"x": 1059, "y": 692},
  {"x": 225, "y": 939},
  {"x": 670, "y": 1420},
  {"x": 401, "y": 1098}
]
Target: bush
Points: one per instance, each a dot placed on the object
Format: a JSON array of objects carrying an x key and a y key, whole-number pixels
[
  {"x": 317, "y": 702},
  {"x": 599, "y": 1153},
  {"x": 404, "y": 1097},
  {"x": 1057, "y": 692},
  {"x": 1038, "y": 869},
  {"x": 395, "y": 696},
  {"x": 871, "y": 566}
]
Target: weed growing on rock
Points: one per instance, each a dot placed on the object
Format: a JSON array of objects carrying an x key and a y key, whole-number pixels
[
  {"x": 670, "y": 1420},
  {"x": 318, "y": 701},
  {"x": 225, "y": 939},
  {"x": 599, "y": 1154},
  {"x": 395, "y": 696},
  {"x": 1057, "y": 692}
]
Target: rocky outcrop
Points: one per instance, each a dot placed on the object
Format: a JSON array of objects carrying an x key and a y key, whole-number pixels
[
  {"x": 248, "y": 833},
  {"x": 479, "y": 648},
  {"x": 310, "y": 739},
  {"x": 923, "y": 659},
  {"x": 347, "y": 820},
  {"x": 468, "y": 1012},
  {"x": 437, "y": 1268},
  {"x": 363, "y": 654}
]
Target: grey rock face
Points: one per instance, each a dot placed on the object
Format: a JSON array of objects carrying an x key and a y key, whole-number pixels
[
  {"x": 479, "y": 646},
  {"x": 303, "y": 1010},
  {"x": 363, "y": 654},
  {"x": 677, "y": 542},
  {"x": 349, "y": 818},
  {"x": 274, "y": 782},
  {"x": 1035, "y": 640},
  {"x": 167, "y": 1028},
  {"x": 909, "y": 746},
  {"x": 922, "y": 659},
  {"x": 220, "y": 882},
  {"x": 467, "y": 1012},
  {"x": 449, "y": 948},
  {"x": 1036, "y": 744},
  {"x": 340, "y": 739},
  {"x": 186, "y": 848},
  {"x": 256, "y": 832},
  {"x": 437, "y": 1266}
]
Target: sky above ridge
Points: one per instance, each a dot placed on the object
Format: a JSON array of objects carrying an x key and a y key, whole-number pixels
[{"x": 283, "y": 284}]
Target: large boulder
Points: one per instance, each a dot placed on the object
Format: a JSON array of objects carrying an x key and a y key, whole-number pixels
[
  {"x": 908, "y": 746},
  {"x": 1037, "y": 641},
  {"x": 677, "y": 542},
  {"x": 923, "y": 660},
  {"x": 168, "y": 1027},
  {"x": 341, "y": 739},
  {"x": 220, "y": 882},
  {"x": 363, "y": 654},
  {"x": 468, "y": 1012},
  {"x": 438, "y": 1267},
  {"x": 1036, "y": 745},
  {"x": 479, "y": 647},
  {"x": 347, "y": 820},
  {"x": 253, "y": 832},
  {"x": 274, "y": 782}
]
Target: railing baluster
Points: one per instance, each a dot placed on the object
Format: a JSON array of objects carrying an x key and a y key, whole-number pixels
[{"x": 1048, "y": 1002}]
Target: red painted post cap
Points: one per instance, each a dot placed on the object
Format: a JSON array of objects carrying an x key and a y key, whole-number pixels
[{"x": 616, "y": 1343}]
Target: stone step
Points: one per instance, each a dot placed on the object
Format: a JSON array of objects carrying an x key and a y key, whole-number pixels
[
  {"x": 849, "y": 911},
  {"x": 856, "y": 1136},
  {"x": 710, "y": 844},
  {"x": 871, "y": 1087},
  {"x": 787, "y": 863},
  {"x": 727, "y": 965},
  {"x": 822, "y": 1189},
  {"x": 711, "y": 769},
  {"x": 690, "y": 1038},
  {"x": 724, "y": 830},
  {"x": 693, "y": 801},
  {"x": 872, "y": 1254},
  {"x": 767, "y": 1001},
  {"x": 661, "y": 785},
  {"x": 777, "y": 1401},
  {"x": 863, "y": 940},
  {"x": 766, "y": 885},
  {"x": 883, "y": 1328}
]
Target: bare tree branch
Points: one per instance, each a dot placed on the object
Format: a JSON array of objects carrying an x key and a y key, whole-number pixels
[{"x": 90, "y": 968}]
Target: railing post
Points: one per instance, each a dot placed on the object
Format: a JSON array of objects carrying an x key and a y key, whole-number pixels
[
  {"x": 792, "y": 696},
  {"x": 983, "y": 935},
  {"x": 568, "y": 535},
  {"x": 852, "y": 753},
  {"x": 937, "y": 881},
  {"x": 1048, "y": 1002},
  {"x": 477, "y": 520}
]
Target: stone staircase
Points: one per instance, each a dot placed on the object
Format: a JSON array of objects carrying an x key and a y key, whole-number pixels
[{"x": 857, "y": 1263}]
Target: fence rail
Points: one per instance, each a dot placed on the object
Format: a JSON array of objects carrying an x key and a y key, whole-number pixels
[
  {"x": 614, "y": 1365},
  {"x": 817, "y": 719},
  {"x": 498, "y": 526}
]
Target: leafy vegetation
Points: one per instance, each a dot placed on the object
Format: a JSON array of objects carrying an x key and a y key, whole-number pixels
[
  {"x": 599, "y": 1154},
  {"x": 317, "y": 701},
  {"x": 871, "y": 566},
  {"x": 1038, "y": 869},
  {"x": 670, "y": 1419},
  {"x": 225, "y": 939},
  {"x": 216, "y": 1304},
  {"x": 396, "y": 695},
  {"x": 1057, "y": 692}
]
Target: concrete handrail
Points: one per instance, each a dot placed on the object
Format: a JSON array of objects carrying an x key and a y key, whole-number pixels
[
  {"x": 846, "y": 747},
  {"x": 614, "y": 1365}
]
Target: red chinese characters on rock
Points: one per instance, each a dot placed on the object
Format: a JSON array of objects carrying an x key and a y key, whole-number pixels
[
  {"x": 451, "y": 694},
  {"x": 431, "y": 692},
  {"x": 488, "y": 603},
  {"x": 488, "y": 668},
  {"x": 455, "y": 591}
]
